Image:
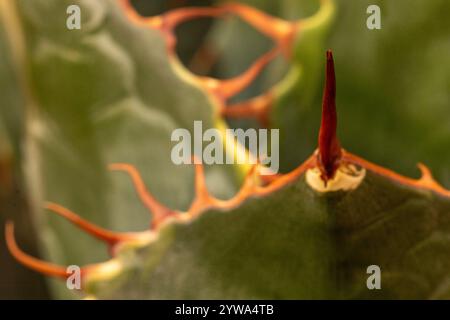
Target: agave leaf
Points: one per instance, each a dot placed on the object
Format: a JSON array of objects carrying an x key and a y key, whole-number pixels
[
  {"x": 11, "y": 106},
  {"x": 295, "y": 243},
  {"x": 313, "y": 233},
  {"x": 107, "y": 93},
  {"x": 330, "y": 237},
  {"x": 15, "y": 283}
]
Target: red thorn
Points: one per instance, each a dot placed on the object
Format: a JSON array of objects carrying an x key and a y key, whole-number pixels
[
  {"x": 329, "y": 147},
  {"x": 29, "y": 261},
  {"x": 108, "y": 236},
  {"x": 159, "y": 211}
]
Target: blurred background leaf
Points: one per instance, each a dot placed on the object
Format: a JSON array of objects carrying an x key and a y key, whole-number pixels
[
  {"x": 107, "y": 93},
  {"x": 16, "y": 282}
]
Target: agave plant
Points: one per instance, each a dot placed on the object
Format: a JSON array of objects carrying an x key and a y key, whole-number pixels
[{"x": 215, "y": 231}]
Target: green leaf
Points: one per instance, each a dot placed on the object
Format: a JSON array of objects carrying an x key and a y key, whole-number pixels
[
  {"x": 296, "y": 243},
  {"x": 111, "y": 93},
  {"x": 11, "y": 107},
  {"x": 106, "y": 93}
]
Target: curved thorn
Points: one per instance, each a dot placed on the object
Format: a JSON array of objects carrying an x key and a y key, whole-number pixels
[
  {"x": 29, "y": 261},
  {"x": 257, "y": 107},
  {"x": 202, "y": 199},
  {"x": 425, "y": 171},
  {"x": 228, "y": 88},
  {"x": 201, "y": 204},
  {"x": 247, "y": 189},
  {"x": 329, "y": 146},
  {"x": 427, "y": 178},
  {"x": 200, "y": 182},
  {"x": 158, "y": 210},
  {"x": 252, "y": 187},
  {"x": 415, "y": 183},
  {"x": 108, "y": 236},
  {"x": 280, "y": 31},
  {"x": 167, "y": 22}
]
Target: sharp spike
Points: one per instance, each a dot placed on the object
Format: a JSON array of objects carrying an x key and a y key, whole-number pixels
[
  {"x": 427, "y": 177},
  {"x": 158, "y": 210},
  {"x": 329, "y": 147},
  {"x": 425, "y": 171},
  {"x": 108, "y": 236},
  {"x": 29, "y": 261}
]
